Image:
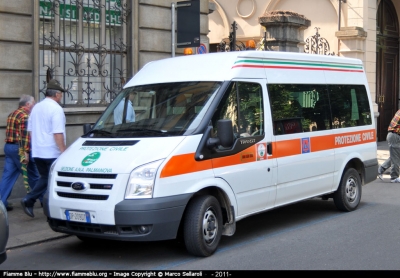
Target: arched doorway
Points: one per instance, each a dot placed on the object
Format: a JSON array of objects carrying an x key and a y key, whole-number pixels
[{"x": 387, "y": 63}]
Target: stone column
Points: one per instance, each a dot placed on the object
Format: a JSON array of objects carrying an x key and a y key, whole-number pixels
[
  {"x": 352, "y": 41},
  {"x": 284, "y": 30}
]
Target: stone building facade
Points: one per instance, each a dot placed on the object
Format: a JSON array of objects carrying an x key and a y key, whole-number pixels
[
  {"x": 31, "y": 49},
  {"x": 93, "y": 47},
  {"x": 363, "y": 29}
]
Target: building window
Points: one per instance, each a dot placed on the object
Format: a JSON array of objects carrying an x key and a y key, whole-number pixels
[{"x": 83, "y": 44}]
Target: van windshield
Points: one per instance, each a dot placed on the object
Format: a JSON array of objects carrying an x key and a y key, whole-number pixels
[{"x": 156, "y": 110}]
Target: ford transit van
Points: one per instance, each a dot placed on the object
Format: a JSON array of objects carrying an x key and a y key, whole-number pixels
[{"x": 194, "y": 144}]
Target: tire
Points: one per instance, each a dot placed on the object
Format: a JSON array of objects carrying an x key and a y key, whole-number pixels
[
  {"x": 348, "y": 195},
  {"x": 203, "y": 213}
]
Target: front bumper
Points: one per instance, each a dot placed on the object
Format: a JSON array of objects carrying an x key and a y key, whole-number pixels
[
  {"x": 3, "y": 257},
  {"x": 135, "y": 220},
  {"x": 370, "y": 170}
]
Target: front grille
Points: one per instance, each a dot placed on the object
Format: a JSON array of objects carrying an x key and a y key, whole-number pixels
[
  {"x": 83, "y": 196},
  {"x": 84, "y": 175},
  {"x": 92, "y": 185},
  {"x": 64, "y": 183},
  {"x": 101, "y": 186}
]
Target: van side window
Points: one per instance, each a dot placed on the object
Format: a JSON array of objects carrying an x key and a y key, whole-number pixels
[
  {"x": 299, "y": 108},
  {"x": 350, "y": 106},
  {"x": 243, "y": 105}
]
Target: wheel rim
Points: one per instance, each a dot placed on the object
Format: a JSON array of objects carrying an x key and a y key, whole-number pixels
[
  {"x": 351, "y": 189},
  {"x": 210, "y": 226}
]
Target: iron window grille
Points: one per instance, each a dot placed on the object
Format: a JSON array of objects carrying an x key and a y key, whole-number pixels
[{"x": 83, "y": 44}]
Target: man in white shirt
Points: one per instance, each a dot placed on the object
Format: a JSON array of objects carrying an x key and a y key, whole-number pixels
[
  {"x": 119, "y": 110},
  {"x": 47, "y": 128}
]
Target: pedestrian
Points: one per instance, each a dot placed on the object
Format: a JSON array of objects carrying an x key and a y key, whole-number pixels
[
  {"x": 17, "y": 138},
  {"x": 47, "y": 128},
  {"x": 393, "y": 139},
  {"x": 383, "y": 167},
  {"x": 130, "y": 112}
]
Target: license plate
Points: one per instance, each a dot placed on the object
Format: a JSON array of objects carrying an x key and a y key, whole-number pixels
[{"x": 78, "y": 216}]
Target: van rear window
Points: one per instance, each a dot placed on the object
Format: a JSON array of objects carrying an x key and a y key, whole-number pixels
[{"x": 307, "y": 107}]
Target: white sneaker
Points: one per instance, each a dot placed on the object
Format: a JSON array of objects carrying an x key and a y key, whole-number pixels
[{"x": 396, "y": 180}]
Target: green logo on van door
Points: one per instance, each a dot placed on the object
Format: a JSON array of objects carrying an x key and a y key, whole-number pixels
[{"x": 90, "y": 159}]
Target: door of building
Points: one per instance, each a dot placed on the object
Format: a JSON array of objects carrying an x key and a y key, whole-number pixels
[{"x": 387, "y": 71}]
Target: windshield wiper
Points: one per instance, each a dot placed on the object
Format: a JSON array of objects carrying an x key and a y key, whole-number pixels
[
  {"x": 144, "y": 130},
  {"x": 101, "y": 132}
]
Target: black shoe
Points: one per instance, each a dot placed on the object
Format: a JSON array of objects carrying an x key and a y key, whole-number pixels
[
  {"x": 27, "y": 210},
  {"x": 9, "y": 208}
]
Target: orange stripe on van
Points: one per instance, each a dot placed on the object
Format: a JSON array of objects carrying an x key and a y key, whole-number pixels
[
  {"x": 353, "y": 138},
  {"x": 245, "y": 156},
  {"x": 322, "y": 143},
  {"x": 185, "y": 163},
  {"x": 286, "y": 148}
]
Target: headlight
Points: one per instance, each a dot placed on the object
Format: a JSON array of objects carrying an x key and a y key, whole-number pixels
[{"x": 141, "y": 181}]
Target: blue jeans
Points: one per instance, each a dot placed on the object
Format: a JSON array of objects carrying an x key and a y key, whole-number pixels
[
  {"x": 12, "y": 170},
  {"x": 43, "y": 165}
]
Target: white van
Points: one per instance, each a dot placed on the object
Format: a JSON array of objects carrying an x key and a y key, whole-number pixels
[{"x": 193, "y": 144}]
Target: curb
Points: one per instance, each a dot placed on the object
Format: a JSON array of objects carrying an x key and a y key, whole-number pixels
[{"x": 35, "y": 242}]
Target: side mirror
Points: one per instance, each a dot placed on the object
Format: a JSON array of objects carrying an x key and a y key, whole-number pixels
[
  {"x": 224, "y": 136},
  {"x": 87, "y": 128}
]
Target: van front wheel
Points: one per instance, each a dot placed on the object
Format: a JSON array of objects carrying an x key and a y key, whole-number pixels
[
  {"x": 202, "y": 226},
  {"x": 347, "y": 197}
]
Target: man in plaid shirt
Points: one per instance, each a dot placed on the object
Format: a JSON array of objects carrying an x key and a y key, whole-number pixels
[{"x": 17, "y": 137}]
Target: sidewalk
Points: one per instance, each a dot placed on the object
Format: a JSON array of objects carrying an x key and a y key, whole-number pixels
[{"x": 25, "y": 230}]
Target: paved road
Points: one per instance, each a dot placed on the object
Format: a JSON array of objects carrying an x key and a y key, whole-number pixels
[{"x": 310, "y": 235}]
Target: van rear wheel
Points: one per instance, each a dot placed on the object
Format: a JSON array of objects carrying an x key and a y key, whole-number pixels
[
  {"x": 202, "y": 226},
  {"x": 348, "y": 195}
]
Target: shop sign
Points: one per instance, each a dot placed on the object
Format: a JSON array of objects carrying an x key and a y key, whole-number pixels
[{"x": 70, "y": 12}]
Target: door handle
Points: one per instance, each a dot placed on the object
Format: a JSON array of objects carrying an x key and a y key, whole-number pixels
[{"x": 269, "y": 148}]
